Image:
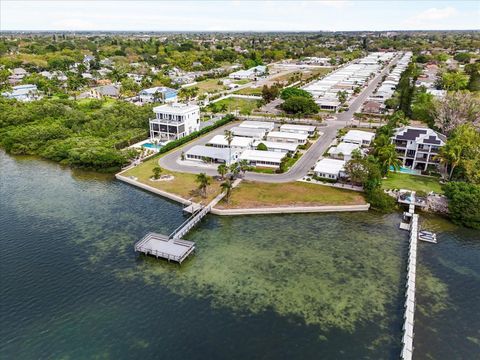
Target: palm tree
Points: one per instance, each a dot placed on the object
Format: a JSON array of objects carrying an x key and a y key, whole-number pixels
[
  {"x": 227, "y": 187},
  {"x": 388, "y": 158},
  {"x": 380, "y": 142},
  {"x": 222, "y": 170},
  {"x": 223, "y": 107},
  {"x": 243, "y": 165},
  {"x": 203, "y": 181},
  {"x": 450, "y": 156},
  {"x": 229, "y": 138},
  {"x": 234, "y": 169}
]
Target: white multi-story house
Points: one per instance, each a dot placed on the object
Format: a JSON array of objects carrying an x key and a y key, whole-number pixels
[
  {"x": 174, "y": 121},
  {"x": 417, "y": 147}
]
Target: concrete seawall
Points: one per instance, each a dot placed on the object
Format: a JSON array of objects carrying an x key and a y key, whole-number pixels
[
  {"x": 250, "y": 211},
  {"x": 290, "y": 210},
  {"x": 152, "y": 189}
]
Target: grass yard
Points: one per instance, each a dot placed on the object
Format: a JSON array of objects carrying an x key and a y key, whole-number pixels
[
  {"x": 209, "y": 86},
  {"x": 412, "y": 182},
  {"x": 183, "y": 184},
  {"x": 314, "y": 72},
  {"x": 249, "y": 91},
  {"x": 245, "y": 106},
  {"x": 254, "y": 194}
]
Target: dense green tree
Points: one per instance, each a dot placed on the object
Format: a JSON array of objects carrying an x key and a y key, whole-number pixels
[
  {"x": 293, "y": 91},
  {"x": 300, "y": 105},
  {"x": 464, "y": 203}
]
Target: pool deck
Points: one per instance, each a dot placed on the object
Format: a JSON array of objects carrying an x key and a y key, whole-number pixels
[{"x": 162, "y": 246}]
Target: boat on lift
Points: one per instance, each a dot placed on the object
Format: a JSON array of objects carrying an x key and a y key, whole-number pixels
[{"x": 427, "y": 236}]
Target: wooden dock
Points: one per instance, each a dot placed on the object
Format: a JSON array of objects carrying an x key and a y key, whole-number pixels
[
  {"x": 162, "y": 246},
  {"x": 409, "y": 315}
]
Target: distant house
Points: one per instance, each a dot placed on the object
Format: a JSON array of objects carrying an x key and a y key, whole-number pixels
[
  {"x": 159, "y": 93},
  {"x": 250, "y": 74},
  {"x": 27, "y": 92},
  {"x": 174, "y": 121},
  {"x": 417, "y": 147},
  {"x": 106, "y": 62},
  {"x": 276, "y": 146},
  {"x": 100, "y": 92},
  {"x": 329, "y": 169},
  {"x": 87, "y": 59},
  {"x": 17, "y": 75},
  {"x": 372, "y": 107},
  {"x": 135, "y": 77},
  {"x": 362, "y": 138}
]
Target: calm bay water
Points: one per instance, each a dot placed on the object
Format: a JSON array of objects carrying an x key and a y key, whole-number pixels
[{"x": 271, "y": 287}]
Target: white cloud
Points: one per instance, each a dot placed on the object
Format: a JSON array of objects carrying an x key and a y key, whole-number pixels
[{"x": 431, "y": 15}]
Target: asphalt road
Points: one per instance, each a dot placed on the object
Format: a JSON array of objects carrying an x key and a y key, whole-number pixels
[{"x": 303, "y": 165}]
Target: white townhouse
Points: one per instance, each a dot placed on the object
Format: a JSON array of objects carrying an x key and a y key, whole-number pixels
[
  {"x": 265, "y": 125},
  {"x": 417, "y": 147},
  {"x": 343, "y": 151},
  {"x": 287, "y": 137},
  {"x": 298, "y": 129},
  {"x": 269, "y": 159},
  {"x": 276, "y": 146},
  {"x": 362, "y": 138},
  {"x": 174, "y": 121},
  {"x": 210, "y": 154},
  {"x": 329, "y": 169},
  {"x": 248, "y": 132},
  {"x": 238, "y": 142}
]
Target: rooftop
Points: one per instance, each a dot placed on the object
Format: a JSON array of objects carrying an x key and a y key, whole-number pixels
[
  {"x": 329, "y": 166},
  {"x": 258, "y": 155},
  {"x": 287, "y": 135},
  {"x": 358, "y": 135},
  {"x": 238, "y": 141},
  {"x": 209, "y": 152},
  {"x": 177, "y": 108}
]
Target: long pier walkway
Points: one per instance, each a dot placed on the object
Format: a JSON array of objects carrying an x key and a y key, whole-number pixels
[{"x": 409, "y": 315}]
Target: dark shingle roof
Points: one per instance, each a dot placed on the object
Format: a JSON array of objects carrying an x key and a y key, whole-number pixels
[
  {"x": 431, "y": 140},
  {"x": 411, "y": 134}
]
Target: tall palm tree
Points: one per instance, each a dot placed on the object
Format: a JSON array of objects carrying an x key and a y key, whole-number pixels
[
  {"x": 227, "y": 187},
  {"x": 229, "y": 138},
  {"x": 450, "y": 155},
  {"x": 388, "y": 158},
  {"x": 380, "y": 142},
  {"x": 203, "y": 181}
]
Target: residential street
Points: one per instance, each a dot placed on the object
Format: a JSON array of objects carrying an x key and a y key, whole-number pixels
[{"x": 302, "y": 166}]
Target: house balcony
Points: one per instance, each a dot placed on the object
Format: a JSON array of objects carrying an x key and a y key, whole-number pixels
[{"x": 167, "y": 121}]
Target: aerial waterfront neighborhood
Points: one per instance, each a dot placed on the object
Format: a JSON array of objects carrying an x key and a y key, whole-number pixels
[{"x": 260, "y": 187}]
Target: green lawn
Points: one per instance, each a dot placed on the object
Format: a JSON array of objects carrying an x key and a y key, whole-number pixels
[
  {"x": 412, "y": 182},
  {"x": 209, "y": 86},
  {"x": 245, "y": 106},
  {"x": 250, "y": 91},
  {"x": 256, "y": 194}
]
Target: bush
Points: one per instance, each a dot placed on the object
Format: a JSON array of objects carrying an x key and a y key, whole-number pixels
[
  {"x": 464, "y": 203},
  {"x": 175, "y": 143},
  {"x": 262, "y": 147},
  {"x": 380, "y": 201},
  {"x": 292, "y": 91}
]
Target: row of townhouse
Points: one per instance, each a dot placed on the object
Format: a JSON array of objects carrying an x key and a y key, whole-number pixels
[
  {"x": 347, "y": 78},
  {"x": 375, "y": 104}
]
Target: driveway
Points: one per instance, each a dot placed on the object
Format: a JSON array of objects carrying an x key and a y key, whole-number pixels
[{"x": 302, "y": 166}]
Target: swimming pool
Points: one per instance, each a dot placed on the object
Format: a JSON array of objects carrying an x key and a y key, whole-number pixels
[
  {"x": 151, "y": 146},
  {"x": 405, "y": 170}
]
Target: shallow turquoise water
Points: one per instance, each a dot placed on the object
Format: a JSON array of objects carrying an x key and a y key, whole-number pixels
[{"x": 272, "y": 287}]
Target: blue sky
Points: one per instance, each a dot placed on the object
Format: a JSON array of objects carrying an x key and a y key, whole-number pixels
[{"x": 239, "y": 15}]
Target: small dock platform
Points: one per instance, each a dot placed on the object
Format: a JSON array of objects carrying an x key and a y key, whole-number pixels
[{"x": 162, "y": 246}]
